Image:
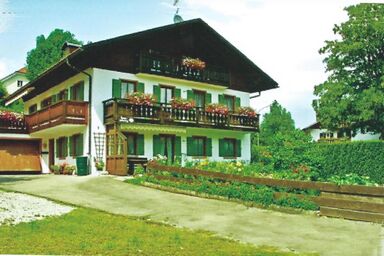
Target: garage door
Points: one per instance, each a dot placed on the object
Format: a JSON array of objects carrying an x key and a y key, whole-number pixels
[{"x": 19, "y": 155}]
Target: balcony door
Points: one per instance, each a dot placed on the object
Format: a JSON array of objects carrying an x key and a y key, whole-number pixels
[
  {"x": 164, "y": 145},
  {"x": 166, "y": 94}
]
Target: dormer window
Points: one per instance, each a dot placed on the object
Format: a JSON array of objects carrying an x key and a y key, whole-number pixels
[{"x": 19, "y": 83}]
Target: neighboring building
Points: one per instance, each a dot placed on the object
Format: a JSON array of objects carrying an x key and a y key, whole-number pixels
[
  {"x": 15, "y": 81},
  {"x": 320, "y": 134},
  {"x": 77, "y": 107}
]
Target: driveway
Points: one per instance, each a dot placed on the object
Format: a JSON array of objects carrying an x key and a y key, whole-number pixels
[{"x": 298, "y": 232}]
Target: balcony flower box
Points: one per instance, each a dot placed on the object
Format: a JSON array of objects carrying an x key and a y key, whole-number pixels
[
  {"x": 217, "y": 109},
  {"x": 141, "y": 99},
  {"x": 10, "y": 117},
  {"x": 193, "y": 63},
  {"x": 179, "y": 103},
  {"x": 246, "y": 111}
]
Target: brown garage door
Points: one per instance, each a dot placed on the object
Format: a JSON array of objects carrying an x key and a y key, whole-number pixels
[{"x": 19, "y": 155}]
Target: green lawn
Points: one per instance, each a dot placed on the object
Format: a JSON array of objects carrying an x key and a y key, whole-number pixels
[{"x": 86, "y": 231}]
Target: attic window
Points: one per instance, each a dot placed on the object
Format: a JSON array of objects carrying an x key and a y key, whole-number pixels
[{"x": 19, "y": 83}]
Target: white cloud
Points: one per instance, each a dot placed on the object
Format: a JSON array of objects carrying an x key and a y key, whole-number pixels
[
  {"x": 6, "y": 16},
  {"x": 282, "y": 38}
]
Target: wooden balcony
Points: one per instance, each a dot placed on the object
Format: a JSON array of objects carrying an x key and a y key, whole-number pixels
[
  {"x": 63, "y": 112},
  {"x": 171, "y": 67},
  {"x": 120, "y": 111},
  {"x": 13, "y": 126}
]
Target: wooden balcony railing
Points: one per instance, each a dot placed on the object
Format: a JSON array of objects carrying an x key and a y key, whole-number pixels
[
  {"x": 171, "y": 67},
  {"x": 63, "y": 112},
  {"x": 119, "y": 110},
  {"x": 13, "y": 126}
]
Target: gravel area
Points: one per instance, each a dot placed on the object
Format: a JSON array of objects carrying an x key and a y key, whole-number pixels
[{"x": 16, "y": 208}]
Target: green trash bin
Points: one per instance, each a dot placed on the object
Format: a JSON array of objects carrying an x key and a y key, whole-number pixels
[{"x": 82, "y": 165}]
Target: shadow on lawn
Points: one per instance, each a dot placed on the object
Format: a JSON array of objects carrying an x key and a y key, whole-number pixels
[{"x": 9, "y": 178}]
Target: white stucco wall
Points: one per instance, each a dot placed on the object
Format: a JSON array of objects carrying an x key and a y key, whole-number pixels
[
  {"x": 315, "y": 134},
  {"x": 10, "y": 83}
]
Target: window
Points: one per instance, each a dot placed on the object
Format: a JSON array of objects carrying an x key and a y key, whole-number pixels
[
  {"x": 46, "y": 102},
  {"x": 166, "y": 94},
  {"x": 32, "y": 109},
  {"x": 62, "y": 147},
  {"x": 127, "y": 88},
  {"x": 77, "y": 92},
  {"x": 63, "y": 95},
  {"x": 76, "y": 145},
  {"x": 199, "y": 98},
  {"x": 229, "y": 101},
  {"x": 229, "y": 147},
  {"x": 111, "y": 144},
  {"x": 19, "y": 83},
  {"x": 135, "y": 143},
  {"x": 199, "y": 146}
]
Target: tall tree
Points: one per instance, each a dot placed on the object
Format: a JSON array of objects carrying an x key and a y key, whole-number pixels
[
  {"x": 277, "y": 121},
  {"x": 48, "y": 51},
  {"x": 353, "y": 95}
]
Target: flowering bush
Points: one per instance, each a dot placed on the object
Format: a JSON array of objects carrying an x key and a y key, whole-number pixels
[
  {"x": 138, "y": 98},
  {"x": 217, "y": 109},
  {"x": 99, "y": 165},
  {"x": 11, "y": 117},
  {"x": 193, "y": 63},
  {"x": 180, "y": 103},
  {"x": 246, "y": 111}
]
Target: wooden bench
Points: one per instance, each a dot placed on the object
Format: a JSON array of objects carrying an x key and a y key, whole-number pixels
[{"x": 132, "y": 161}]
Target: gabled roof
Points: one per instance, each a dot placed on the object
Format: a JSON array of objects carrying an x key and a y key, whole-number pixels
[
  {"x": 22, "y": 70},
  {"x": 192, "y": 38},
  {"x": 315, "y": 125}
]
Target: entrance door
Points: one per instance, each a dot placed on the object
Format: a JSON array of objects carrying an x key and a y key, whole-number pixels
[
  {"x": 51, "y": 152},
  {"x": 167, "y": 143}
]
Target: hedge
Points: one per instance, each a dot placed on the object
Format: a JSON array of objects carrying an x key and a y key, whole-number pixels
[{"x": 365, "y": 158}]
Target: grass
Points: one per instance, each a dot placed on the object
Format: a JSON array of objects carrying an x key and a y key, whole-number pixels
[{"x": 90, "y": 232}]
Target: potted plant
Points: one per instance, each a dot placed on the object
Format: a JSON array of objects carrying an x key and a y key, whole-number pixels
[
  {"x": 179, "y": 103},
  {"x": 99, "y": 165},
  {"x": 69, "y": 169},
  {"x": 194, "y": 63},
  {"x": 55, "y": 169},
  {"x": 246, "y": 111},
  {"x": 216, "y": 108}
]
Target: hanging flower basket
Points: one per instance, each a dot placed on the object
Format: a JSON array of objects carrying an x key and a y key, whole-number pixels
[
  {"x": 138, "y": 98},
  {"x": 194, "y": 63},
  {"x": 179, "y": 103},
  {"x": 246, "y": 111},
  {"x": 217, "y": 109}
]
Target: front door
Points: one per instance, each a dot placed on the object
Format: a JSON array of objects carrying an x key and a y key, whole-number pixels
[
  {"x": 51, "y": 152},
  {"x": 168, "y": 146}
]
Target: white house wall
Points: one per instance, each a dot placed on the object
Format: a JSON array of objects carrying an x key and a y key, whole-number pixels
[{"x": 10, "y": 84}]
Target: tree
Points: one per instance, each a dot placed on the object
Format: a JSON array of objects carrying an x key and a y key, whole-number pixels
[
  {"x": 352, "y": 97},
  {"x": 278, "y": 120},
  {"x": 3, "y": 91},
  {"x": 48, "y": 51}
]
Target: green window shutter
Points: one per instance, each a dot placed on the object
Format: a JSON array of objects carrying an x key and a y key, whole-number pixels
[
  {"x": 71, "y": 93},
  {"x": 156, "y": 145},
  {"x": 190, "y": 95},
  {"x": 140, "y": 144},
  {"x": 238, "y": 148},
  {"x": 65, "y": 147},
  {"x": 68, "y": 94},
  {"x": 71, "y": 145},
  {"x": 140, "y": 87},
  {"x": 191, "y": 147},
  {"x": 177, "y": 146},
  {"x": 54, "y": 99},
  {"x": 222, "y": 147},
  {"x": 208, "y": 98},
  {"x": 237, "y": 103},
  {"x": 81, "y": 92},
  {"x": 177, "y": 93},
  {"x": 116, "y": 88},
  {"x": 57, "y": 148},
  {"x": 208, "y": 147},
  {"x": 221, "y": 99},
  {"x": 156, "y": 92},
  {"x": 80, "y": 145}
]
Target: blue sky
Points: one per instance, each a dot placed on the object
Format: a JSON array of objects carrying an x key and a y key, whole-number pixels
[{"x": 282, "y": 37}]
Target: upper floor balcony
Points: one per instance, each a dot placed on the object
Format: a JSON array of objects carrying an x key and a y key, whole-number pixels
[
  {"x": 63, "y": 112},
  {"x": 179, "y": 67},
  {"x": 121, "y": 111},
  {"x": 11, "y": 122}
]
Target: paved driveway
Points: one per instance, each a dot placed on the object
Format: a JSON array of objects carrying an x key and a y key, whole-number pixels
[{"x": 299, "y": 232}]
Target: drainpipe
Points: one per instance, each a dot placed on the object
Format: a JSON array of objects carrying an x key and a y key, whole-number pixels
[{"x": 89, "y": 106}]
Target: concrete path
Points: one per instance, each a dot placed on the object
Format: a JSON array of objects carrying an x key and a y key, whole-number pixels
[{"x": 299, "y": 232}]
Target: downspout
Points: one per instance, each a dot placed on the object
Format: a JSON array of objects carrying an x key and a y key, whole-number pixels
[{"x": 89, "y": 106}]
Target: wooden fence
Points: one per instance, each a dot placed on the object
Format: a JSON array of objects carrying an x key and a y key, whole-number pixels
[{"x": 354, "y": 202}]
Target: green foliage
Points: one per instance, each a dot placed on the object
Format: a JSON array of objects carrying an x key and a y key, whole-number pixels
[
  {"x": 351, "y": 179},
  {"x": 17, "y": 106},
  {"x": 353, "y": 95},
  {"x": 278, "y": 120},
  {"x": 363, "y": 158},
  {"x": 3, "y": 91},
  {"x": 47, "y": 51}
]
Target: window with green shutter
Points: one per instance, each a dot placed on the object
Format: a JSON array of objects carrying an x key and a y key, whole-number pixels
[
  {"x": 177, "y": 93},
  {"x": 156, "y": 92},
  {"x": 229, "y": 101},
  {"x": 228, "y": 147},
  {"x": 238, "y": 148},
  {"x": 62, "y": 95},
  {"x": 76, "y": 145},
  {"x": 208, "y": 98},
  {"x": 116, "y": 88},
  {"x": 140, "y": 87},
  {"x": 140, "y": 144},
  {"x": 190, "y": 95},
  {"x": 199, "y": 146},
  {"x": 158, "y": 145},
  {"x": 237, "y": 103},
  {"x": 221, "y": 99},
  {"x": 62, "y": 147},
  {"x": 129, "y": 87},
  {"x": 77, "y": 92},
  {"x": 178, "y": 146},
  {"x": 135, "y": 143}
]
